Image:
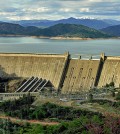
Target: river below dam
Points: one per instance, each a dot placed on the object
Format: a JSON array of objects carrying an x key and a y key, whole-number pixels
[{"x": 38, "y": 45}]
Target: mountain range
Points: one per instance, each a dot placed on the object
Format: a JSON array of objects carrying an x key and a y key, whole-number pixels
[
  {"x": 112, "y": 30},
  {"x": 63, "y": 27},
  {"x": 62, "y": 30},
  {"x": 15, "y": 29},
  {"x": 92, "y": 23}
]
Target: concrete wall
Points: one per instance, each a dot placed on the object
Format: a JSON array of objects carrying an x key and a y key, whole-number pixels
[
  {"x": 13, "y": 96},
  {"x": 74, "y": 75},
  {"x": 110, "y": 72},
  {"x": 50, "y": 67},
  {"x": 81, "y": 75}
]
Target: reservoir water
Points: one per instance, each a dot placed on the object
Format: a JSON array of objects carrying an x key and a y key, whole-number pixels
[{"x": 37, "y": 45}]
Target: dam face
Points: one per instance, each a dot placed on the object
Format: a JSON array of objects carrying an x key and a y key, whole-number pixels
[
  {"x": 81, "y": 75},
  {"x": 110, "y": 72},
  {"x": 68, "y": 75},
  {"x": 49, "y": 67}
]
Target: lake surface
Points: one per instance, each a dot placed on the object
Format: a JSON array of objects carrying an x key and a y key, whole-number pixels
[{"x": 36, "y": 45}]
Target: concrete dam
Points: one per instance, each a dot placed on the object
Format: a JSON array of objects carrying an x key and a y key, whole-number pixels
[{"x": 66, "y": 74}]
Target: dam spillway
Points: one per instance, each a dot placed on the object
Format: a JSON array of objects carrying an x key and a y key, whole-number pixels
[{"x": 65, "y": 74}]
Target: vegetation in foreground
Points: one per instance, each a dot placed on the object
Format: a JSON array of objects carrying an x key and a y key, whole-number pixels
[
  {"x": 82, "y": 125},
  {"x": 23, "y": 109},
  {"x": 107, "y": 102},
  {"x": 71, "y": 120}
]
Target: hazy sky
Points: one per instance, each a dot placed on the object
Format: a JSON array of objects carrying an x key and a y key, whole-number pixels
[{"x": 58, "y": 9}]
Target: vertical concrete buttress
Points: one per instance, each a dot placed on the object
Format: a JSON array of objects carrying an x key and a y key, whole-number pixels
[{"x": 64, "y": 71}]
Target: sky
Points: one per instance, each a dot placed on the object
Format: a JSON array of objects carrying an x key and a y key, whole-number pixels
[{"x": 58, "y": 9}]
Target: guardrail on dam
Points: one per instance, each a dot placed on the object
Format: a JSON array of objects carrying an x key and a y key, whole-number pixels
[{"x": 69, "y": 75}]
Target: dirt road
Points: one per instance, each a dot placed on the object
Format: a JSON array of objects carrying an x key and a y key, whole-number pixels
[{"x": 17, "y": 120}]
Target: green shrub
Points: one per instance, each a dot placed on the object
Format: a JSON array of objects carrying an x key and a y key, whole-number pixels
[
  {"x": 118, "y": 96},
  {"x": 90, "y": 98}
]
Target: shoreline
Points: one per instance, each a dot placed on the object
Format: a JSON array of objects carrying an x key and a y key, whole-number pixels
[
  {"x": 69, "y": 38},
  {"x": 58, "y": 37}
]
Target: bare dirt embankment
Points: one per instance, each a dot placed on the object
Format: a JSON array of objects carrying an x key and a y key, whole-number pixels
[
  {"x": 56, "y": 37},
  {"x": 71, "y": 38},
  {"x": 17, "y": 120}
]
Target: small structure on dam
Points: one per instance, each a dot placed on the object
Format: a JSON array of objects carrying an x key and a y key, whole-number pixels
[{"x": 65, "y": 74}]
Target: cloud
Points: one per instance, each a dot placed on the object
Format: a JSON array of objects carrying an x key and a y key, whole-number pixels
[
  {"x": 66, "y": 9},
  {"x": 57, "y": 9},
  {"x": 38, "y": 10},
  {"x": 84, "y": 10}
]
